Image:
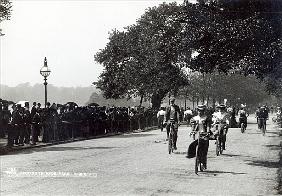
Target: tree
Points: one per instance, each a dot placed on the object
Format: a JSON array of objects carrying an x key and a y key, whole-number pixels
[
  {"x": 143, "y": 61},
  {"x": 236, "y": 88},
  {"x": 5, "y": 10},
  {"x": 147, "y": 59},
  {"x": 243, "y": 35}
]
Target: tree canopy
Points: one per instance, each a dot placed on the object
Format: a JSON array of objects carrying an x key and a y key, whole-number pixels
[
  {"x": 147, "y": 58},
  {"x": 143, "y": 60},
  {"x": 5, "y": 10}
]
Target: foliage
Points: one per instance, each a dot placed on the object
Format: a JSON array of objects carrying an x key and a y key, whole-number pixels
[
  {"x": 143, "y": 60},
  {"x": 146, "y": 59},
  {"x": 244, "y": 35},
  {"x": 236, "y": 88},
  {"x": 5, "y": 10}
]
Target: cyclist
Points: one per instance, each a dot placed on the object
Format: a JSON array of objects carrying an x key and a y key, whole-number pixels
[
  {"x": 242, "y": 113},
  {"x": 200, "y": 123},
  {"x": 222, "y": 117},
  {"x": 278, "y": 115},
  {"x": 257, "y": 111},
  {"x": 188, "y": 114},
  {"x": 171, "y": 118},
  {"x": 263, "y": 114},
  {"x": 160, "y": 116}
]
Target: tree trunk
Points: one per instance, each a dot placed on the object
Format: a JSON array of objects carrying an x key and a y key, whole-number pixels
[
  {"x": 141, "y": 100},
  {"x": 213, "y": 102},
  {"x": 193, "y": 100},
  {"x": 157, "y": 100}
]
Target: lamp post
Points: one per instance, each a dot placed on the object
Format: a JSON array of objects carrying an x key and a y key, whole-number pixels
[{"x": 45, "y": 72}]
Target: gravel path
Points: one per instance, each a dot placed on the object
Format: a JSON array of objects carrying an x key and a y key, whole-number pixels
[{"x": 139, "y": 164}]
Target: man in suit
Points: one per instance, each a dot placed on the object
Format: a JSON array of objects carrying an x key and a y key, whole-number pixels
[{"x": 172, "y": 119}]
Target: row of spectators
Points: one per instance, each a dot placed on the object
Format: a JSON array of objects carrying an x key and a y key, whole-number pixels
[{"x": 25, "y": 125}]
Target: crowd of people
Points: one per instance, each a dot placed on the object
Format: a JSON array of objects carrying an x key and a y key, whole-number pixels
[
  {"x": 24, "y": 125},
  {"x": 28, "y": 125}
]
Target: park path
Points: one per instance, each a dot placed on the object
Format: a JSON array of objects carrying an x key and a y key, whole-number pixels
[{"x": 139, "y": 164}]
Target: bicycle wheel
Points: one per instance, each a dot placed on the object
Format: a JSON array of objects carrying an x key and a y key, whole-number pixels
[
  {"x": 201, "y": 167},
  {"x": 242, "y": 128},
  {"x": 170, "y": 146},
  {"x": 220, "y": 143},
  {"x": 169, "y": 143},
  {"x": 217, "y": 147},
  {"x": 197, "y": 162},
  {"x": 263, "y": 129}
]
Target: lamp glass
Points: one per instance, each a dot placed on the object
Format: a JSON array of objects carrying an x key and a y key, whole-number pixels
[{"x": 45, "y": 71}]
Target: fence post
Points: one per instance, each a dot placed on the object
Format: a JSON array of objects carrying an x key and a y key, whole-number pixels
[
  {"x": 72, "y": 136},
  {"x": 139, "y": 128},
  {"x": 130, "y": 125}
]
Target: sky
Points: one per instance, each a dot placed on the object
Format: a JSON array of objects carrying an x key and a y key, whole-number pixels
[{"x": 68, "y": 32}]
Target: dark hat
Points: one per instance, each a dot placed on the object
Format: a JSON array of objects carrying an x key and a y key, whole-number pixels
[
  {"x": 201, "y": 107},
  {"x": 221, "y": 106}
]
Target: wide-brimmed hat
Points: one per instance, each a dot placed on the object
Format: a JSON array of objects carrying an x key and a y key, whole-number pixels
[
  {"x": 221, "y": 106},
  {"x": 201, "y": 107}
]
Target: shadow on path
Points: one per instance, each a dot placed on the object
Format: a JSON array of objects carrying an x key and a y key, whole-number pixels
[
  {"x": 274, "y": 147},
  {"x": 133, "y": 135},
  {"x": 251, "y": 133},
  {"x": 59, "y": 148},
  {"x": 234, "y": 155},
  {"x": 260, "y": 163},
  {"x": 222, "y": 172}
]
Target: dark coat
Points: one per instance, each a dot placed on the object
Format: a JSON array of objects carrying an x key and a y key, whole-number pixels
[{"x": 167, "y": 113}]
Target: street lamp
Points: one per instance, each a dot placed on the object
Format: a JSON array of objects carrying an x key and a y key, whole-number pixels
[{"x": 45, "y": 72}]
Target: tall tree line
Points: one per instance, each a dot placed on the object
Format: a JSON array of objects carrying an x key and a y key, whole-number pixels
[{"x": 147, "y": 58}]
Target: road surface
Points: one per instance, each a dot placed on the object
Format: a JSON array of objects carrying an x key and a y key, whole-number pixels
[{"x": 139, "y": 164}]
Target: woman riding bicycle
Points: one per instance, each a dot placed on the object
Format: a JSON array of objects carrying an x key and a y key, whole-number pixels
[
  {"x": 242, "y": 113},
  {"x": 200, "y": 124},
  {"x": 222, "y": 119}
]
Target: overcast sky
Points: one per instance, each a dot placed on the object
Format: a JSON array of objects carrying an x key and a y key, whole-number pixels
[{"x": 68, "y": 33}]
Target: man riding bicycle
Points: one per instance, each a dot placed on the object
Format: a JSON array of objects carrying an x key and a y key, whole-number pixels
[
  {"x": 242, "y": 113},
  {"x": 202, "y": 124},
  {"x": 262, "y": 114},
  {"x": 171, "y": 118}
]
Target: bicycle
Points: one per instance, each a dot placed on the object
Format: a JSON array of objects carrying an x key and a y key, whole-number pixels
[
  {"x": 242, "y": 125},
  {"x": 218, "y": 139},
  {"x": 262, "y": 126},
  {"x": 171, "y": 136},
  {"x": 199, "y": 165}
]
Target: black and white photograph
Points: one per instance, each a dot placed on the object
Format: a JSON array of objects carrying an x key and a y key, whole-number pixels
[{"x": 141, "y": 97}]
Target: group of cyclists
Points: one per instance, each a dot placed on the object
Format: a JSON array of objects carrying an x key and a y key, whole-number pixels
[{"x": 208, "y": 125}]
